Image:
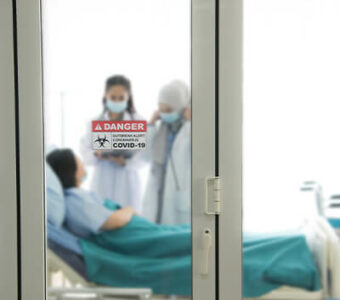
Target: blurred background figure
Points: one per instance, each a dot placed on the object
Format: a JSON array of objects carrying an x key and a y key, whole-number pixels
[
  {"x": 116, "y": 172},
  {"x": 168, "y": 192}
]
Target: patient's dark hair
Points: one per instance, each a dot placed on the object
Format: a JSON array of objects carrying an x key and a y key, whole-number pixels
[{"x": 63, "y": 163}]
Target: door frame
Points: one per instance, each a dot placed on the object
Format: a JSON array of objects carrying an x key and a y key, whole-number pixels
[
  {"x": 210, "y": 19},
  {"x": 9, "y": 256},
  {"x": 203, "y": 141},
  {"x": 230, "y": 148},
  {"x": 30, "y": 117},
  {"x": 31, "y": 148}
]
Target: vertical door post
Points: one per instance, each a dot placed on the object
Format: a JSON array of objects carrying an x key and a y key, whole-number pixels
[
  {"x": 203, "y": 146},
  {"x": 230, "y": 149},
  {"x": 31, "y": 149},
  {"x": 8, "y": 206}
]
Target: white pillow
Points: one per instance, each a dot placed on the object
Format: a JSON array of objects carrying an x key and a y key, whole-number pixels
[{"x": 55, "y": 198}]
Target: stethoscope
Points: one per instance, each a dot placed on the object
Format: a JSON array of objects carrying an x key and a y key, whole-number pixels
[{"x": 174, "y": 172}]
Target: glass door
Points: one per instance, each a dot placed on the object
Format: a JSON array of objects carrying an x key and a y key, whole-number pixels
[
  {"x": 116, "y": 159},
  {"x": 117, "y": 106},
  {"x": 291, "y": 150}
]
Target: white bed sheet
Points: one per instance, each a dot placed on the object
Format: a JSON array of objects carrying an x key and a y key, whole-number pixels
[{"x": 291, "y": 293}]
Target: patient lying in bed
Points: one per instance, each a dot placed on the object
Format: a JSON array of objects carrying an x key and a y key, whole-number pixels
[
  {"x": 123, "y": 249},
  {"x": 86, "y": 212}
]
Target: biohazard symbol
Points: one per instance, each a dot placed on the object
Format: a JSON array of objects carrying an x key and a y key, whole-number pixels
[{"x": 101, "y": 141}]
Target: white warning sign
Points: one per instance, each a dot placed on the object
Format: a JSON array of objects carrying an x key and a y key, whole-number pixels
[{"x": 119, "y": 135}]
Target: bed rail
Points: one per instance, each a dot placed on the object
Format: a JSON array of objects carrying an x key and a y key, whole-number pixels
[{"x": 99, "y": 293}]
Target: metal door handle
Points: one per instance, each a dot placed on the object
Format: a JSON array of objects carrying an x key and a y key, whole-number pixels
[{"x": 206, "y": 245}]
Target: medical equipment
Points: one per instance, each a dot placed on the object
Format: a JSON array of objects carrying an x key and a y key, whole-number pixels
[
  {"x": 330, "y": 208},
  {"x": 316, "y": 189}
]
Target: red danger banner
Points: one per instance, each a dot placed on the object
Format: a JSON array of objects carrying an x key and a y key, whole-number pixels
[{"x": 119, "y": 126}]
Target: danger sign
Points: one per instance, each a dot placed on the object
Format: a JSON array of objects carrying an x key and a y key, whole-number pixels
[
  {"x": 118, "y": 126},
  {"x": 118, "y": 135}
]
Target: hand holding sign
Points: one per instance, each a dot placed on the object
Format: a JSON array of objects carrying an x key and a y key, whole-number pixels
[
  {"x": 120, "y": 160},
  {"x": 98, "y": 154}
]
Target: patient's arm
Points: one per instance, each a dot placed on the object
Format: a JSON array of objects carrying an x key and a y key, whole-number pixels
[{"x": 119, "y": 218}]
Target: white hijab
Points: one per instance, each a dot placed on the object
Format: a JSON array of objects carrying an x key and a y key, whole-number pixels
[{"x": 177, "y": 96}]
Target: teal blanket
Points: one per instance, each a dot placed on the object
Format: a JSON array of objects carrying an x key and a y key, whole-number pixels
[
  {"x": 335, "y": 223},
  {"x": 143, "y": 254},
  {"x": 270, "y": 261}
]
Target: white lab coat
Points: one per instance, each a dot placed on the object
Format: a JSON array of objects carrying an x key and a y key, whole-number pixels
[
  {"x": 176, "y": 206},
  {"x": 110, "y": 180}
]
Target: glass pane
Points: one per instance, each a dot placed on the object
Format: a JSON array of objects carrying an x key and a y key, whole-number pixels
[
  {"x": 291, "y": 149},
  {"x": 117, "y": 140}
]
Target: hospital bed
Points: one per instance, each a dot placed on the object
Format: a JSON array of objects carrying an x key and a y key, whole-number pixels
[
  {"x": 324, "y": 244},
  {"x": 325, "y": 248},
  {"x": 321, "y": 239},
  {"x": 73, "y": 284},
  {"x": 332, "y": 212},
  {"x": 67, "y": 259},
  {"x": 66, "y": 273}
]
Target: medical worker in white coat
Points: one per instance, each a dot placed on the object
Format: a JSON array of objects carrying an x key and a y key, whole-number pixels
[
  {"x": 115, "y": 173},
  {"x": 168, "y": 193}
]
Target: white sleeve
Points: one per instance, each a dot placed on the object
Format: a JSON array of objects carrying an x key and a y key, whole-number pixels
[
  {"x": 135, "y": 162},
  {"x": 137, "y": 117},
  {"x": 143, "y": 156},
  {"x": 146, "y": 155}
]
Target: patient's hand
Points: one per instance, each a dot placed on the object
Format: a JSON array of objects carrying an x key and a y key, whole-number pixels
[
  {"x": 120, "y": 160},
  {"x": 119, "y": 218}
]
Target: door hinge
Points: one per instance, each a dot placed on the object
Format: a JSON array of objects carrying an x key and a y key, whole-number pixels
[{"x": 213, "y": 196}]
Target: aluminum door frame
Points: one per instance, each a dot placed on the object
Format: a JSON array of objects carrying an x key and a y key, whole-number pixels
[
  {"x": 203, "y": 141},
  {"x": 31, "y": 167},
  {"x": 33, "y": 244},
  {"x": 230, "y": 148},
  {"x": 8, "y": 184}
]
